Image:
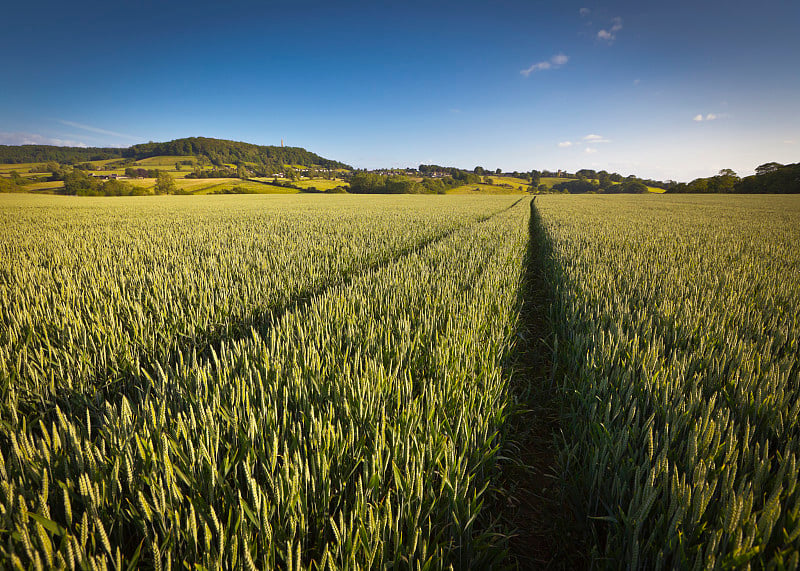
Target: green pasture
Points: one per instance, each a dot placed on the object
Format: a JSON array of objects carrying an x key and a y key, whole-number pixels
[
  {"x": 251, "y": 187},
  {"x": 482, "y": 188},
  {"x": 166, "y": 161},
  {"x": 549, "y": 181},
  {"x": 320, "y": 183},
  {"x": 47, "y": 186},
  {"x": 22, "y": 168},
  {"x": 519, "y": 183}
]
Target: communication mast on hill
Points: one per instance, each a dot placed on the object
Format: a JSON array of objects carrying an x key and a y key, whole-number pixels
[{"x": 281, "y": 143}]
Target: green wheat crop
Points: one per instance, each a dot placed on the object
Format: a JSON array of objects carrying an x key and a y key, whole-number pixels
[
  {"x": 678, "y": 323},
  {"x": 258, "y": 382}
]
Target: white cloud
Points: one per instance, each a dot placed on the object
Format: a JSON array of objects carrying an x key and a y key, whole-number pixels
[
  {"x": 96, "y": 129},
  {"x": 592, "y": 138},
  {"x": 709, "y": 117},
  {"x": 789, "y": 142},
  {"x": 565, "y": 144},
  {"x": 542, "y": 65},
  {"x": 584, "y": 12},
  {"x": 590, "y": 150},
  {"x": 34, "y": 139},
  {"x": 554, "y": 62},
  {"x": 610, "y": 34}
]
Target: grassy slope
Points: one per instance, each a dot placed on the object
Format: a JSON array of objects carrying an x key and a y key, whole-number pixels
[
  {"x": 320, "y": 183},
  {"x": 482, "y": 189}
]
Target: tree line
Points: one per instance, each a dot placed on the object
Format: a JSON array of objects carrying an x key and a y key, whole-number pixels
[
  {"x": 78, "y": 183},
  {"x": 374, "y": 183},
  {"x": 16, "y": 154},
  {"x": 583, "y": 185},
  {"x": 770, "y": 178}
]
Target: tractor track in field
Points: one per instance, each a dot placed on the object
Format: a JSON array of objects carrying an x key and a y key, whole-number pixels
[
  {"x": 544, "y": 533},
  {"x": 262, "y": 320},
  {"x": 204, "y": 346}
]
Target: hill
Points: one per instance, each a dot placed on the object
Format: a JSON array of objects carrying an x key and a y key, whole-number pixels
[{"x": 217, "y": 151}]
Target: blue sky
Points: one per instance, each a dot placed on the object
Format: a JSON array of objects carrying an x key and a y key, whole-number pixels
[{"x": 664, "y": 90}]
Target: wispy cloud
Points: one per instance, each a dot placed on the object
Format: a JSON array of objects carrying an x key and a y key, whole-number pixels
[
  {"x": 587, "y": 140},
  {"x": 610, "y": 34},
  {"x": 553, "y": 63},
  {"x": 709, "y": 117},
  {"x": 96, "y": 129},
  {"x": 789, "y": 142},
  {"x": 637, "y": 81},
  {"x": 592, "y": 139},
  {"x": 34, "y": 139},
  {"x": 584, "y": 12}
]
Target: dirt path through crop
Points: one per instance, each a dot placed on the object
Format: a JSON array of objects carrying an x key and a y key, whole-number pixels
[{"x": 545, "y": 535}]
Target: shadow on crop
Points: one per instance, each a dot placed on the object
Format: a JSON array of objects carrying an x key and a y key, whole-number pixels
[{"x": 544, "y": 533}]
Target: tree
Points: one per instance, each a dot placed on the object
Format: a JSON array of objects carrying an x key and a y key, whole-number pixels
[
  {"x": 77, "y": 182},
  {"x": 115, "y": 187},
  {"x": 165, "y": 184},
  {"x": 728, "y": 172},
  {"x": 634, "y": 187},
  {"x": 498, "y": 171},
  {"x": 767, "y": 168},
  {"x": 7, "y": 186}
]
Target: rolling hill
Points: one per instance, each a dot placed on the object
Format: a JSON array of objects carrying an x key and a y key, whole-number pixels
[{"x": 217, "y": 151}]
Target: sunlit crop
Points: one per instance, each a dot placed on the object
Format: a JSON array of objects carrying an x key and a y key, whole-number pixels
[{"x": 270, "y": 382}]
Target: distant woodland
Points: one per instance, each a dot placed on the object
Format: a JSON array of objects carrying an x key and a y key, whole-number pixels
[
  {"x": 447, "y": 178},
  {"x": 219, "y": 152},
  {"x": 770, "y": 178},
  {"x": 217, "y": 158}
]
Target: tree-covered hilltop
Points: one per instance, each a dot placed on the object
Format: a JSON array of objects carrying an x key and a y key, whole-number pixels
[
  {"x": 217, "y": 151},
  {"x": 220, "y": 151}
]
